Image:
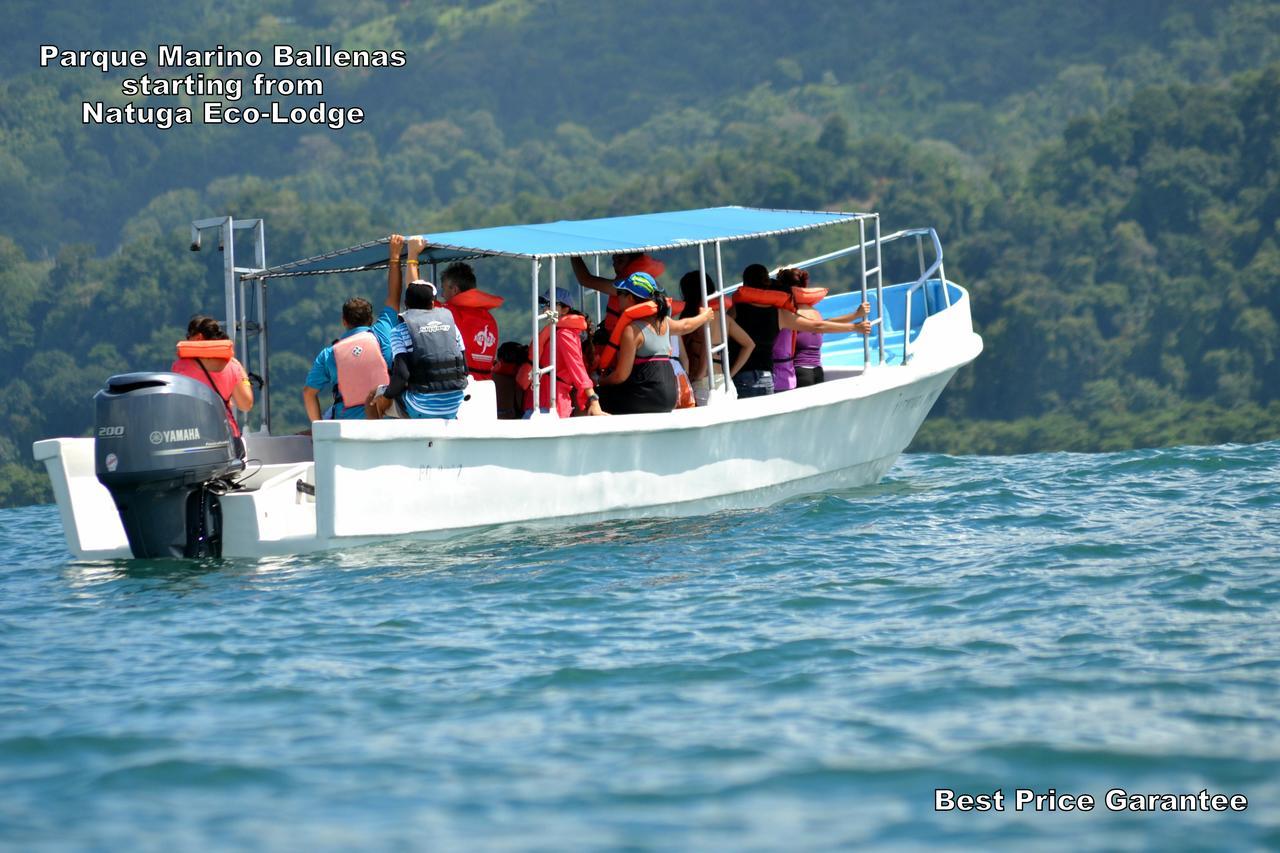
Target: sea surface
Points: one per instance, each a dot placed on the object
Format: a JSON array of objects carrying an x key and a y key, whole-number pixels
[{"x": 797, "y": 678}]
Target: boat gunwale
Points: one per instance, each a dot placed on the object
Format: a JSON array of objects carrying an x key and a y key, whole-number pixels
[{"x": 877, "y": 380}]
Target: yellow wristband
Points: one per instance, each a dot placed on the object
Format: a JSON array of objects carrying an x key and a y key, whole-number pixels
[{"x": 413, "y": 261}]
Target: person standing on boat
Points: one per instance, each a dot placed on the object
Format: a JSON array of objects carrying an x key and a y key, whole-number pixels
[
  {"x": 797, "y": 355},
  {"x": 638, "y": 375},
  {"x": 761, "y": 309},
  {"x": 471, "y": 308},
  {"x": 206, "y": 356},
  {"x": 624, "y": 264},
  {"x": 695, "y": 344},
  {"x": 428, "y": 369}
]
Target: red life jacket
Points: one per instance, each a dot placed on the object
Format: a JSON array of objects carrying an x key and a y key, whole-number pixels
[
  {"x": 609, "y": 352},
  {"x": 644, "y": 263},
  {"x": 479, "y": 330},
  {"x": 360, "y": 367}
]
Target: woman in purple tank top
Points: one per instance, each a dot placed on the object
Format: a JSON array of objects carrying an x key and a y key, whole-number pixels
[
  {"x": 784, "y": 368},
  {"x": 797, "y": 355},
  {"x": 808, "y": 358}
]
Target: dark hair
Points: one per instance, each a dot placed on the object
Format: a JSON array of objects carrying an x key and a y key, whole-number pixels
[
  {"x": 659, "y": 299},
  {"x": 664, "y": 307},
  {"x": 756, "y": 275},
  {"x": 461, "y": 274},
  {"x": 691, "y": 290},
  {"x": 420, "y": 295},
  {"x": 789, "y": 278},
  {"x": 206, "y": 327},
  {"x": 357, "y": 311},
  {"x": 513, "y": 352}
]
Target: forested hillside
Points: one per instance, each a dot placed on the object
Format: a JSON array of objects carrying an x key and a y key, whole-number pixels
[{"x": 1104, "y": 178}]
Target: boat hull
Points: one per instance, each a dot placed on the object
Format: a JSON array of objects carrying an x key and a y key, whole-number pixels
[{"x": 374, "y": 480}]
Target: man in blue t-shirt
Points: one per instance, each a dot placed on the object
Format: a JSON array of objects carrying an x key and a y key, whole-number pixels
[{"x": 357, "y": 316}]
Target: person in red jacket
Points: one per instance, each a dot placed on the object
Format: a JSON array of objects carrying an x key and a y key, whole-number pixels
[
  {"x": 575, "y": 392},
  {"x": 471, "y": 309}
]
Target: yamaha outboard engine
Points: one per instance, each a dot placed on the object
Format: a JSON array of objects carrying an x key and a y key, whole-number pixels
[{"x": 161, "y": 439}]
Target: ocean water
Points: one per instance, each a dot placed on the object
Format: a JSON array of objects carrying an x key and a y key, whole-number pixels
[{"x": 802, "y": 677}]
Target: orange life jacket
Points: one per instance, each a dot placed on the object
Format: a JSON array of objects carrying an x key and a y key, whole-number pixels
[
  {"x": 808, "y": 295},
  {"x": 219, "y": 350},
  {"x": 360, "y": 367},
  {"x": 609, "y": 352},
  {"x": 644, "y": 263},
  {"x": 763, "y": 298},
  {"x": 575, "y": 322},
  {"x": 470, "y": 309}
]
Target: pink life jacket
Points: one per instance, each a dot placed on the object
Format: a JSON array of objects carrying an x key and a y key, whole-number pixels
[{"x": 360, "y": 367}]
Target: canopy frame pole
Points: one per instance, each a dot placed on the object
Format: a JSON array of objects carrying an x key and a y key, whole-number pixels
[
  {"x": 552, "y": 321},
  {"x": 862, "y": 260},
  {"x": 724, "y": 322},
  {"x": 599, "y": 309},
  {"x": 535, "y": 375},
  {"x": 880, "y": 289},
  {"x": 708, "y": 353},
  {"x": 264, "y": 361}
]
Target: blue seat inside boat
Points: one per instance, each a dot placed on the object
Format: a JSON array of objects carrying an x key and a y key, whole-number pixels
[{"x": 846, "y": 350}]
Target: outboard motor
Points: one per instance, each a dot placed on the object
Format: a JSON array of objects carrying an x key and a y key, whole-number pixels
[{"x": 160, "y": 440}]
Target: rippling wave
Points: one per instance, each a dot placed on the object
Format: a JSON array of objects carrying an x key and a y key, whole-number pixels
[{"x": 798, "y": 677}]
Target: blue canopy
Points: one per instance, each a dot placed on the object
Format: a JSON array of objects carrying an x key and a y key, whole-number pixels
[{"x": 644, "y": 233}]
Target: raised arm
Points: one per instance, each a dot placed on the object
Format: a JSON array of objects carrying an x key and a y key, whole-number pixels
[
  {"x": 690, "y": 324},
  {"x": 416, "y": 245},
  {"x": 395, "y": 286},
  {"x": 588, "y": 279},
  {"x": 798, "y": 323}
]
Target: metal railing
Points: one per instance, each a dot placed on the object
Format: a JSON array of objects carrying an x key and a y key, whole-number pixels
[
  {"x": 919, "y": 285},
  {"x": 237, "y": 325}
]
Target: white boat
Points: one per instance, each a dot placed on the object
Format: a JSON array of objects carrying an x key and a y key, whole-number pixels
[{"x": 436, "y": 478}]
